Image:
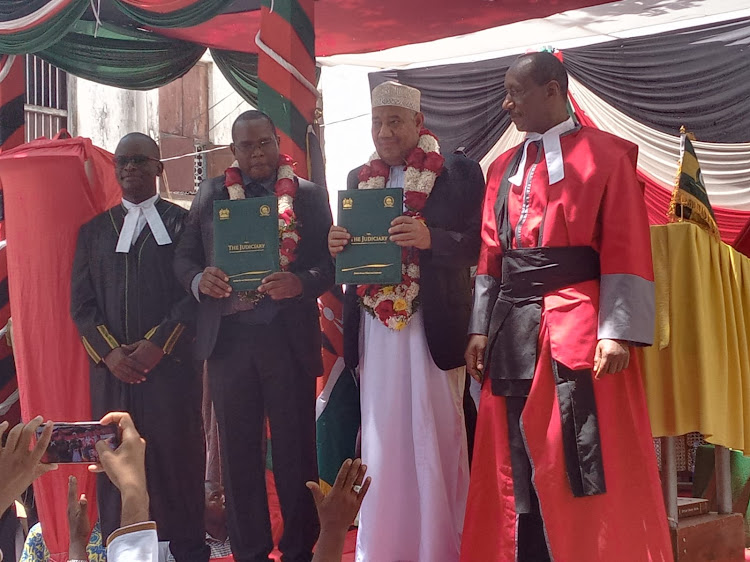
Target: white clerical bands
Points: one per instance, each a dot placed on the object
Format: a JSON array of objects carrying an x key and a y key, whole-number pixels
[
  {"x": 144, "y": 212},
  {"x": 552, "y": 152}
]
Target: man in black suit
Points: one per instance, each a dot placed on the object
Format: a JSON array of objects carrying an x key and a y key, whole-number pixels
[
  {"x": 262, "y": 356},
  {"x": 412, "y": 376}
]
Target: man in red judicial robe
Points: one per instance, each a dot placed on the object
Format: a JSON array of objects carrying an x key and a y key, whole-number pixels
[{"x": 564, "y": 465}]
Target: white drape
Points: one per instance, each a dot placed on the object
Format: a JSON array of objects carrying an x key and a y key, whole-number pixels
[{"x": 726, "y": 167}]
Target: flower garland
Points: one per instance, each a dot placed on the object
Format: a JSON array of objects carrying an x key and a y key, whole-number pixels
[
  {"x": 285, "y": 189},
  {"x": 395, "y": 305}
]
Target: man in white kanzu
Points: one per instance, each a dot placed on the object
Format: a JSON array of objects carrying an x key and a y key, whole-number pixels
[{"x": 408, "y": 339}]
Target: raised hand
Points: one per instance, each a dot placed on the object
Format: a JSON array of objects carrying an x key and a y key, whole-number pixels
[
  {"x": 79, "y": 526},
  {"x": 20, "y": 465}
]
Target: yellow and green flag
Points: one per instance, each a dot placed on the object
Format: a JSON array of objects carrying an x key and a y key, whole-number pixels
[{"x": 689, "y": 198}]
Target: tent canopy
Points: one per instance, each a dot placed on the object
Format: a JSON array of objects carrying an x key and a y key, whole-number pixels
[
  {"x": 341, "y": 26},
  {"x": 144, "y": 44},
  {"x": 640, "y": 70}
]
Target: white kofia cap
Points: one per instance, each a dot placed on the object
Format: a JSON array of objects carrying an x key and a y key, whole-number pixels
[{"x": 393, "y": 93}]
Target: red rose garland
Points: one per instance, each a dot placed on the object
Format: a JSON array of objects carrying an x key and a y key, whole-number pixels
[
  {"x": 285, "y": 189},
  {"x": 395, "y": 305}
]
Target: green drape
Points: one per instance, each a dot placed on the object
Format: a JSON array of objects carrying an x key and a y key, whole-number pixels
[
  {"x": 44, "y": 33},
  {"x": 241, "y": 71},
  {"x": 14, "y": 9},
  {"x": 125, "y": 58},
  {"x": 194, "y": 14}
]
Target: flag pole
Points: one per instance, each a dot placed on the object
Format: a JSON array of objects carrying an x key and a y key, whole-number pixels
[{"x": 683, "y": 132}]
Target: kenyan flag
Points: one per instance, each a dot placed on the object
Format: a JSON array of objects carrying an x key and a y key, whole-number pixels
[
  {"x": 690, "y": 198},
  {"x": 337, "y": 408}
]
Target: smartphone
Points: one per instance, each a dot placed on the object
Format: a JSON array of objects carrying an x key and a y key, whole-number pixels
[{"x": 76, "y": 442}]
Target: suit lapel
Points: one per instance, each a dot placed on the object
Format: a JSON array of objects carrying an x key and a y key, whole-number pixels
[
  {"x": 218, "y": 192},
  {"x": 432, "y": 203}
]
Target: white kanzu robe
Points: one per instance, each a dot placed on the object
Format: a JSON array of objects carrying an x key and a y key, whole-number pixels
[{"x": 414, "y": 446}]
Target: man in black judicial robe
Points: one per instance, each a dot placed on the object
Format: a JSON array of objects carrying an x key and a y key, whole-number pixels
[
  {"x": 262, "y": 358},
  {"x": 136, "y": 324}
]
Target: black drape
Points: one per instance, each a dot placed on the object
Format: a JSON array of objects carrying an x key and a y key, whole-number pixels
[
  {"x": 696, "y": 77},
  {"x": 461, "y": 102}
]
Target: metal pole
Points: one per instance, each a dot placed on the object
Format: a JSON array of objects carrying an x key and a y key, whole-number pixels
[
  {"x": 669, "y": 478},
  {"x": 42, "y": 72},
  {"x": 50, "y": 74},
  {"x": 723, "y": 479},
  {"x": 35, "y": 81}
]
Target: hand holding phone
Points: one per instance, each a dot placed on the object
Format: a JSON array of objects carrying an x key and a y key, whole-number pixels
[
  {"x": 19, "y": 465},
  {"x": 126, "y": 468},
  {"x": 73, "y": 443}
]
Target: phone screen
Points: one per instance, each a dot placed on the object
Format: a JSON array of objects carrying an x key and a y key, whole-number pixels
[{"x": 76, "y": 442}]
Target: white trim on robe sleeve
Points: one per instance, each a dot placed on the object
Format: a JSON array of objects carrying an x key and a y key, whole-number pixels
[{"x": 134, "y": 543}]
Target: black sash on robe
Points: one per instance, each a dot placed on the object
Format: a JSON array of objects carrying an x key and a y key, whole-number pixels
[{"x": 527, "y": 275}]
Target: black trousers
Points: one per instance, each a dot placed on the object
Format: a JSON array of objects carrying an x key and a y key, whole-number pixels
[
  {"x": 166, "y": 410},
  {"x": 251, "y": 374},
  {"x": 531, "y": 544}
]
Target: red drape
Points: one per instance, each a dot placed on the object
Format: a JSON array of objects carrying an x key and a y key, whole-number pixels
[
  {"x": 50, "y": 189},
  {"x": 10, "y": 409},
  {"x": 742, "y": 242},
  {"x": 731, "y": 222},
  {"x": 12, "y": 89},
  {"x": 161, "y": 6},
  {"x": 346, "y": 26}
]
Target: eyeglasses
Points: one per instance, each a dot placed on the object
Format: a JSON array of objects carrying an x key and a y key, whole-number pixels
[
  {"x": 249, "y": 147},
  {"x": 135, "y": 159}
]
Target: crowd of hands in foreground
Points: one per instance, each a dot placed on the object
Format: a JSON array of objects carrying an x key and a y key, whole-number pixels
[{"x": 20, "y": 465}]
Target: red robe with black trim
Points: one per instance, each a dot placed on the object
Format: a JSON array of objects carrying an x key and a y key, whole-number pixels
[{"x": 598, "y": 203}]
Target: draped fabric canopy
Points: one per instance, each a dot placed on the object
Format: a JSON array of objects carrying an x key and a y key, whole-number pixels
[
  {"x": 241, "y": 71},
  {"x": 694, "y": 77},
  {"x": 642, "y": 89},
  {"x": 643, "y": 85},
  {"x": 342, "y": 26},
  {"x": 461, "y": 102},
  {"x": 122, "y": 57},
  {"x": 22, "y": 31},
  {"x": 725, "y": 166},
  {"x": 701, "y": 83},
  {"x": 143, "y": 44},
  {"x": 177, "y": 13}
]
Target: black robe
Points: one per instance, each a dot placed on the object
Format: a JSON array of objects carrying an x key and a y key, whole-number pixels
[{"x": 120, "y": 299}]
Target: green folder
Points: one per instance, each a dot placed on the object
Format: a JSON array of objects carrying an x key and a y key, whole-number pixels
[
  {"x": 370, "y": 257},
  {"x": 246, "y": 240}
]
